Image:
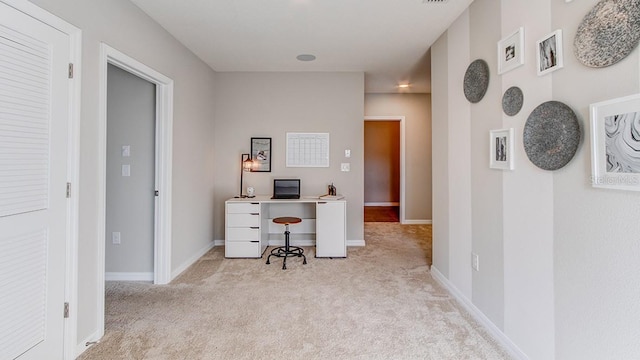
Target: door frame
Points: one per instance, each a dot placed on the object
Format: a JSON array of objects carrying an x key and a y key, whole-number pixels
[
  {"x": 163, "y": 155},
  {"x": 402, "y": 121},
  {"x": 73, "y": 164}
]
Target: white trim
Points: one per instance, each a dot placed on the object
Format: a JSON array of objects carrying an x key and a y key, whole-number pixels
[
  {"x": 382, "y": 204},
  {"x": 128, "y": 276},
  {"x": 190, "y": 261},
  {"x": 403, "y": 146},
  {"x": 73, "y": 165},
  {"x": 83, "y": 345},
  {"x": 356, "y": 243},
  {"x": 491, "y": 328},
  {"x": 164, "y": 150},
  {"x": 417, "y": 222}
]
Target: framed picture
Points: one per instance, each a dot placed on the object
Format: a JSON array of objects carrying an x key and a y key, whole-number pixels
[
  {"x": 511, "y": 51},
  {"x": 550, "y": 53},
  {"x": 501, "y": 149},
  {"x": 615, "y": 145},
  {"x": 261, "y": 154}
]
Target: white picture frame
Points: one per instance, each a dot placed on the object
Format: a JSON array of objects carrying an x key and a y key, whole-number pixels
[
  {"x": 501, "y": 147},
  {"x": 550, "y": 54},
  {"x": 615, "y": 162},
  {"x": 511, "y": 51}
]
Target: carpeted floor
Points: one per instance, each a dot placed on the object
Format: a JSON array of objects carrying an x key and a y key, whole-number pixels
[{"x": 379, "y": 303}]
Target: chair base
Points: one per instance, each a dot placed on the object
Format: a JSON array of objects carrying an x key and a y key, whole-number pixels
[{"x": 287, "y": 252}]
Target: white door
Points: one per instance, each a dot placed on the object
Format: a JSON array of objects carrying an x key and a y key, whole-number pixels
[{"x": 34, "y": 115}]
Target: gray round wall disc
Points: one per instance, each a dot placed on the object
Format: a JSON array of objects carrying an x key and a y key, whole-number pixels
[
  {"x": 551, "y": 135},
  {"x": 608, "y": 33},
  {"x": 476, "y": 80},
  {"x": 512, "y": 101}
]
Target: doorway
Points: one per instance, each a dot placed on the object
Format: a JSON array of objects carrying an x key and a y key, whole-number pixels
[
  {"x": 384, "y": 169},
  {"x": 130, "y": 182},
  {"x": 163, "y": 154}
]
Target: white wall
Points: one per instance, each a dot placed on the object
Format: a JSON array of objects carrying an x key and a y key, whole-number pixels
[
  {"x": 272, "y": 104},
  {"x": 124, "y": 27},
  {"x": 563, "y": 273},
  {"x": 416, "y": 108}
]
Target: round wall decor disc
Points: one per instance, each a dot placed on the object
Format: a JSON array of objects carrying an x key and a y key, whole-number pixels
[
  {"x": 512, "y": 101},
  {"x": 476, "y": 80},
  {"x": 608, "y": 33},
  {"x": 551, "y": 135}
]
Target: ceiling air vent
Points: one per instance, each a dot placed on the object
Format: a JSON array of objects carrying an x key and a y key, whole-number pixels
[{"x": 434, "y": 1}]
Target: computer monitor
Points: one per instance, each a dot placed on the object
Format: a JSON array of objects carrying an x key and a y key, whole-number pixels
[{"x": 286, "y": 189}]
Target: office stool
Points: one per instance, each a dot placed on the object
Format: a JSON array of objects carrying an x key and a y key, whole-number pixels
[{"x": 287, "y": 250}]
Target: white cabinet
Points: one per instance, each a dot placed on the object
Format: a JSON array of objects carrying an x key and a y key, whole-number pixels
[
  {"x": 331, "y": 225},
  {"x": 243, "y": 235}
]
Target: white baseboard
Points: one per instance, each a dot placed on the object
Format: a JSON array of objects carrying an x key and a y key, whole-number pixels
[
  {"x": 218, "y": 243},
  {"x": 355, "y": 243},
  {"x": 382, "y": 204},
  {"x": 417, "y": 222},
  {"x": 82, "y": 345},
  {"x": 190, "y": 261},
  {"x": 493, "y": 330},
  {"x": 128, "y": 276}
]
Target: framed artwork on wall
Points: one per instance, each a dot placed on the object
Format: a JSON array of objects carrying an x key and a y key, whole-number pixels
[
  {"x": 550, "y": 54},
  {"x": 501, "y": 149},
  {"x": 615, "y": 145},
  {"x": 261, "y": 154},
  {"x": 511, "y": 51}
]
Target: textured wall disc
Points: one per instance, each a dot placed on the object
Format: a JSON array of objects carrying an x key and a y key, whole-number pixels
[
  {"x": 512, "y": 101},
  {"x": 551, "y": 135},
  {"x": 609, "y": 32},
  {"x": 476, "y": 80}
]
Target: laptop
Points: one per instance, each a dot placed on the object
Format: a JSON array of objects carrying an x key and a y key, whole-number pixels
[{"x": 286, "y": 189}]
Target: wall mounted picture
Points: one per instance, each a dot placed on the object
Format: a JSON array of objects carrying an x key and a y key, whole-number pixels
[
  {"x": 550, "y": 53},
  {"x": 261, "y": 154},
  {"x": 615, "y": 145},
  {"x": 511, "y": 51},
  {"x": 501, "y": 149}
]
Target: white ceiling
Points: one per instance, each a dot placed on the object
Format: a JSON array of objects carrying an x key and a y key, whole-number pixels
[{"x": 388, "y": 40}]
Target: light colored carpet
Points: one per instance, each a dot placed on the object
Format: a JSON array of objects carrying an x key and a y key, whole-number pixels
[{"x": 379, "y": 303}]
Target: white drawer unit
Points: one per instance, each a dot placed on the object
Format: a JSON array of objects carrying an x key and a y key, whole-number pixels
[{"x": 243, "y": 231}]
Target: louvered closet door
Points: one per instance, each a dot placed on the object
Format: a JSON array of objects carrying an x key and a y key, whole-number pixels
[{"x": 33, "y": 166}]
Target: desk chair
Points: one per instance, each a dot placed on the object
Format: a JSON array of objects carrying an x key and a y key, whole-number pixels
[{"x": 287, "y": 250}]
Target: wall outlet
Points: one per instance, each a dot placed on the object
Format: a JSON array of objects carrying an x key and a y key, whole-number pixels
[
  {"x": 115, "y": 238},
  {"x": 126, "y": 170},
  {"x": 475, "y": 262}
]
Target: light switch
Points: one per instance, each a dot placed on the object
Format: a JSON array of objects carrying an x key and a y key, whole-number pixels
[
  {"x": 347, "y": 153},
  {"x": 126, "y": 150},
  {"x": 126, "y": 170},
  {"x": 345, "y": 167},
  {"x": 115, "y": 238}
]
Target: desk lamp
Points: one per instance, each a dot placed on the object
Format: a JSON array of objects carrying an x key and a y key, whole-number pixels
[{"x": 245, "y": 165}]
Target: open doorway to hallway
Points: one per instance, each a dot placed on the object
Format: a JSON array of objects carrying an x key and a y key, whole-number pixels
[{"x": 382, "y": 168}]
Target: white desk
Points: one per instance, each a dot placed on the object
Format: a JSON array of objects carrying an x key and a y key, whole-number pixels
[{"x": 249, "y": 228}]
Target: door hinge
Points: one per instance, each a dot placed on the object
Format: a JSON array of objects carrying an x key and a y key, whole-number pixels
[
  {"x": 68, "y": 190},
  {"x": 70, "y": 71},
  {"x": 66, "y": 310},
  {"x": 156, "y": 193}
]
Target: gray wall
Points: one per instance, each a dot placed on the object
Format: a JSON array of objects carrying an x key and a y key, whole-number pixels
[
  {"x": 416, "y": 108},
  {"x": 130, "y": 200},
  {"x": 272, "y": 104},
  {"x": 558, "y": 258},
  {"x": 123, "y": 26}
]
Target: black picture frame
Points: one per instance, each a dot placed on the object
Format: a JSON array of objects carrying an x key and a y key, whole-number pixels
[{"x": 261, "y": 154}]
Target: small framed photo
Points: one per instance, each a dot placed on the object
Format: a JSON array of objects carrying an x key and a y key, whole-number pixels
[
  {"x": 511, "y": 51},
  {"x": 501, "y": 149},
  {"x": 550, "y": 53},
  {"x": 261, "y": 154},
  {"x": 615, "y": 145}
]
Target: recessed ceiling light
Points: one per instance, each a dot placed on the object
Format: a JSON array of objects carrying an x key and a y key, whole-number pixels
[
  {"x": 306, "y": 57},
  {"x": 403, "y": 86}
]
